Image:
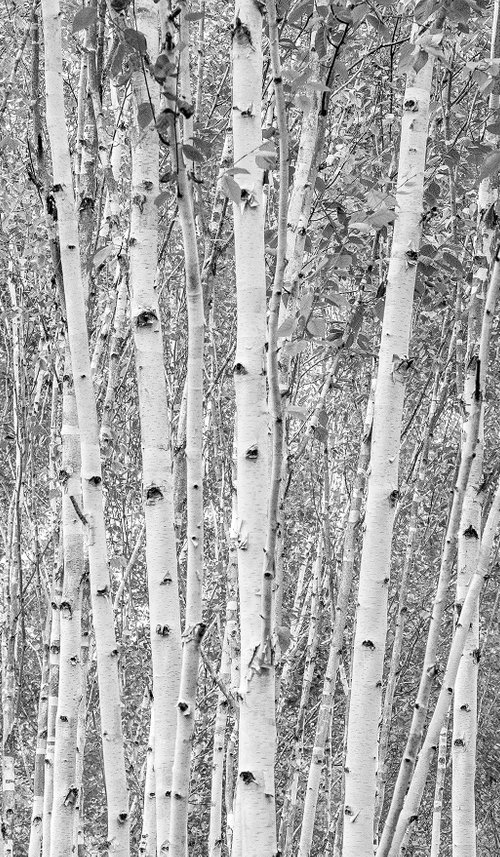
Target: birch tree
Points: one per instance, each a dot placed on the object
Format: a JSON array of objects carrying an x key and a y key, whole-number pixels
[
  {"x": 394, "y": 365},
  {"x": 254, "y": 826}
]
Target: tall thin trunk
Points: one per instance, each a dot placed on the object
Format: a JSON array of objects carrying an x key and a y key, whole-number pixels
[
  {"x": 437, "y": 808},
  {"x": 383, "y": 487},
  {"x": 194, "y": 626},
  {"x": 36, "y": 829},
  {"x": 161, "y": 559},
  {"x": 410, "y": 810},
  {"x": 464, "y": 737},
  {"x": 397, "y": 647},
  {"x": 337, "y": 640},
  {"x": 54, "y": 648},
  {"x": 65, "y": 798},
  {"x": 254, "y": 823},
  {"x": 148, "y": 843},
  {"x": 106, "y": 647}
]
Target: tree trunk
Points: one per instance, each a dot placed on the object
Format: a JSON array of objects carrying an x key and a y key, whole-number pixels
[
  {"x": 254, "y": 824},
  {"x": 157, "y": 488},
  {"x": 106, "y": 647},
  {"x": 66, "y": 798}
]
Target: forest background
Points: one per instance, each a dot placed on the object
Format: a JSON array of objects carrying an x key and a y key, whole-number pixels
[{"x": 249, "y": 361}]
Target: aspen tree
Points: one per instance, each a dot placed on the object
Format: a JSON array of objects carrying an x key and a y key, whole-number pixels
[
  {"x": 54, "y": 648},
  {"x": 438, "y": 400},
  {"x": 409, "y": 813},
  {"x": 429, "y": 668},
  {"x": 337, "y": 639},
  {"x": 65, "y": 797},
  {"x": 36, "y": 829},
  {"x": 275, "y": 404},
  {"x": 287, "y": 825},
  {"x": 157, "y": 488},
  {"x": 67, "y": 224},
  {"x": 12, "y": 583},
  {"x": 215, "y": 831},
  {"x": 254, "y": 823},
  {"x": 148, "y": 843},
  {"x": 394, "y": 367},
  {"x": 437, "y": 807},
  {"x": 194, "y": 626},
  {"x": 465, "y": 696},
  {"x": 400, "y": 815}
]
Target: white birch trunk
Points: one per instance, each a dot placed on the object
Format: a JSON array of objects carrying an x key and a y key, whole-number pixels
[
  {"x": 161, "y": 559},
  {"x": 383, "y": 492},
  {"x": 106, "y": 647},
  {"x": 65, "y": 798},
  {"x": 254, "y": 823},
  {"x": 437, "y": 807},
  {"x": 464, "y": 737}
]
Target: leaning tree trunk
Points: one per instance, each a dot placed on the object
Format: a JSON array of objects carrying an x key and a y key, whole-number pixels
[
  {"x": 383, "y": 492},
  {"x": 254, "y": 823},
  {"x": 465, "y": 698},
  {"x": 92, "y": 514}
]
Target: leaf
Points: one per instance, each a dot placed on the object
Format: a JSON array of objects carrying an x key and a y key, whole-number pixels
[
  {"x": 162, "y": 123},
  {"x": 144, "y": 115},
  {"x": 84, "y": 18},
  {"x": 420, "y": 60},
  {"x": 231, "y": 188},
  {"x": 494, "y": 128},
  {"x": 136, "y": 40},
  {"x": 321, "y": 42},
  {"x": 316, "y": 327},
  {"x": 193, "y": 154},
  {"x": 291, "y": 349},
  {"x": 382, "y": 217},
  {"x": 491, "y": 164},
  {"x": 296, "y": 413},
  {"x": 286, "y": 328},
  {"x": 266, "y": 161},
  {"x": 102, "y": 254},
  {"x": 306, "y": 304},
  {"x": 233, "y": 171},
  {"x": 406, "y": 59},
  {"x": 302, "y": 102},
  {"x": 161, "y": 198},
  {"x": 194, "y": 16}
]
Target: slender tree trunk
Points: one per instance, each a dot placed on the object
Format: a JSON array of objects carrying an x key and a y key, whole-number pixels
[
  {"x": 410, "y": 810},
  {"x": 337, "y": 640},
  {"x": 65, "y": 798},
  {"x": 397, "y": 648},
  {"x": 161, "y": 559},
  {"x": 106, "y": 647},
  {"x": 437, "y": 808},
  {"x": 254, "y": 824},
  {"x": 36, "y": 829},
  {"x": 148, "y": 843},
  {"x": 194, "y": 626},
  {"x": 54, "y": 648},
  {"x": 465, "y": 697}
]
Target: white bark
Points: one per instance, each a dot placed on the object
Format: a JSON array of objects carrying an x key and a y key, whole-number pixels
[
  {"x": 66, "y": 798},
  {"x": 254, "y": 824},
  {"x": 161, "y": 559},
  {"x": 383, "y": 492},
  {"x": 107, "y": 651}
]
